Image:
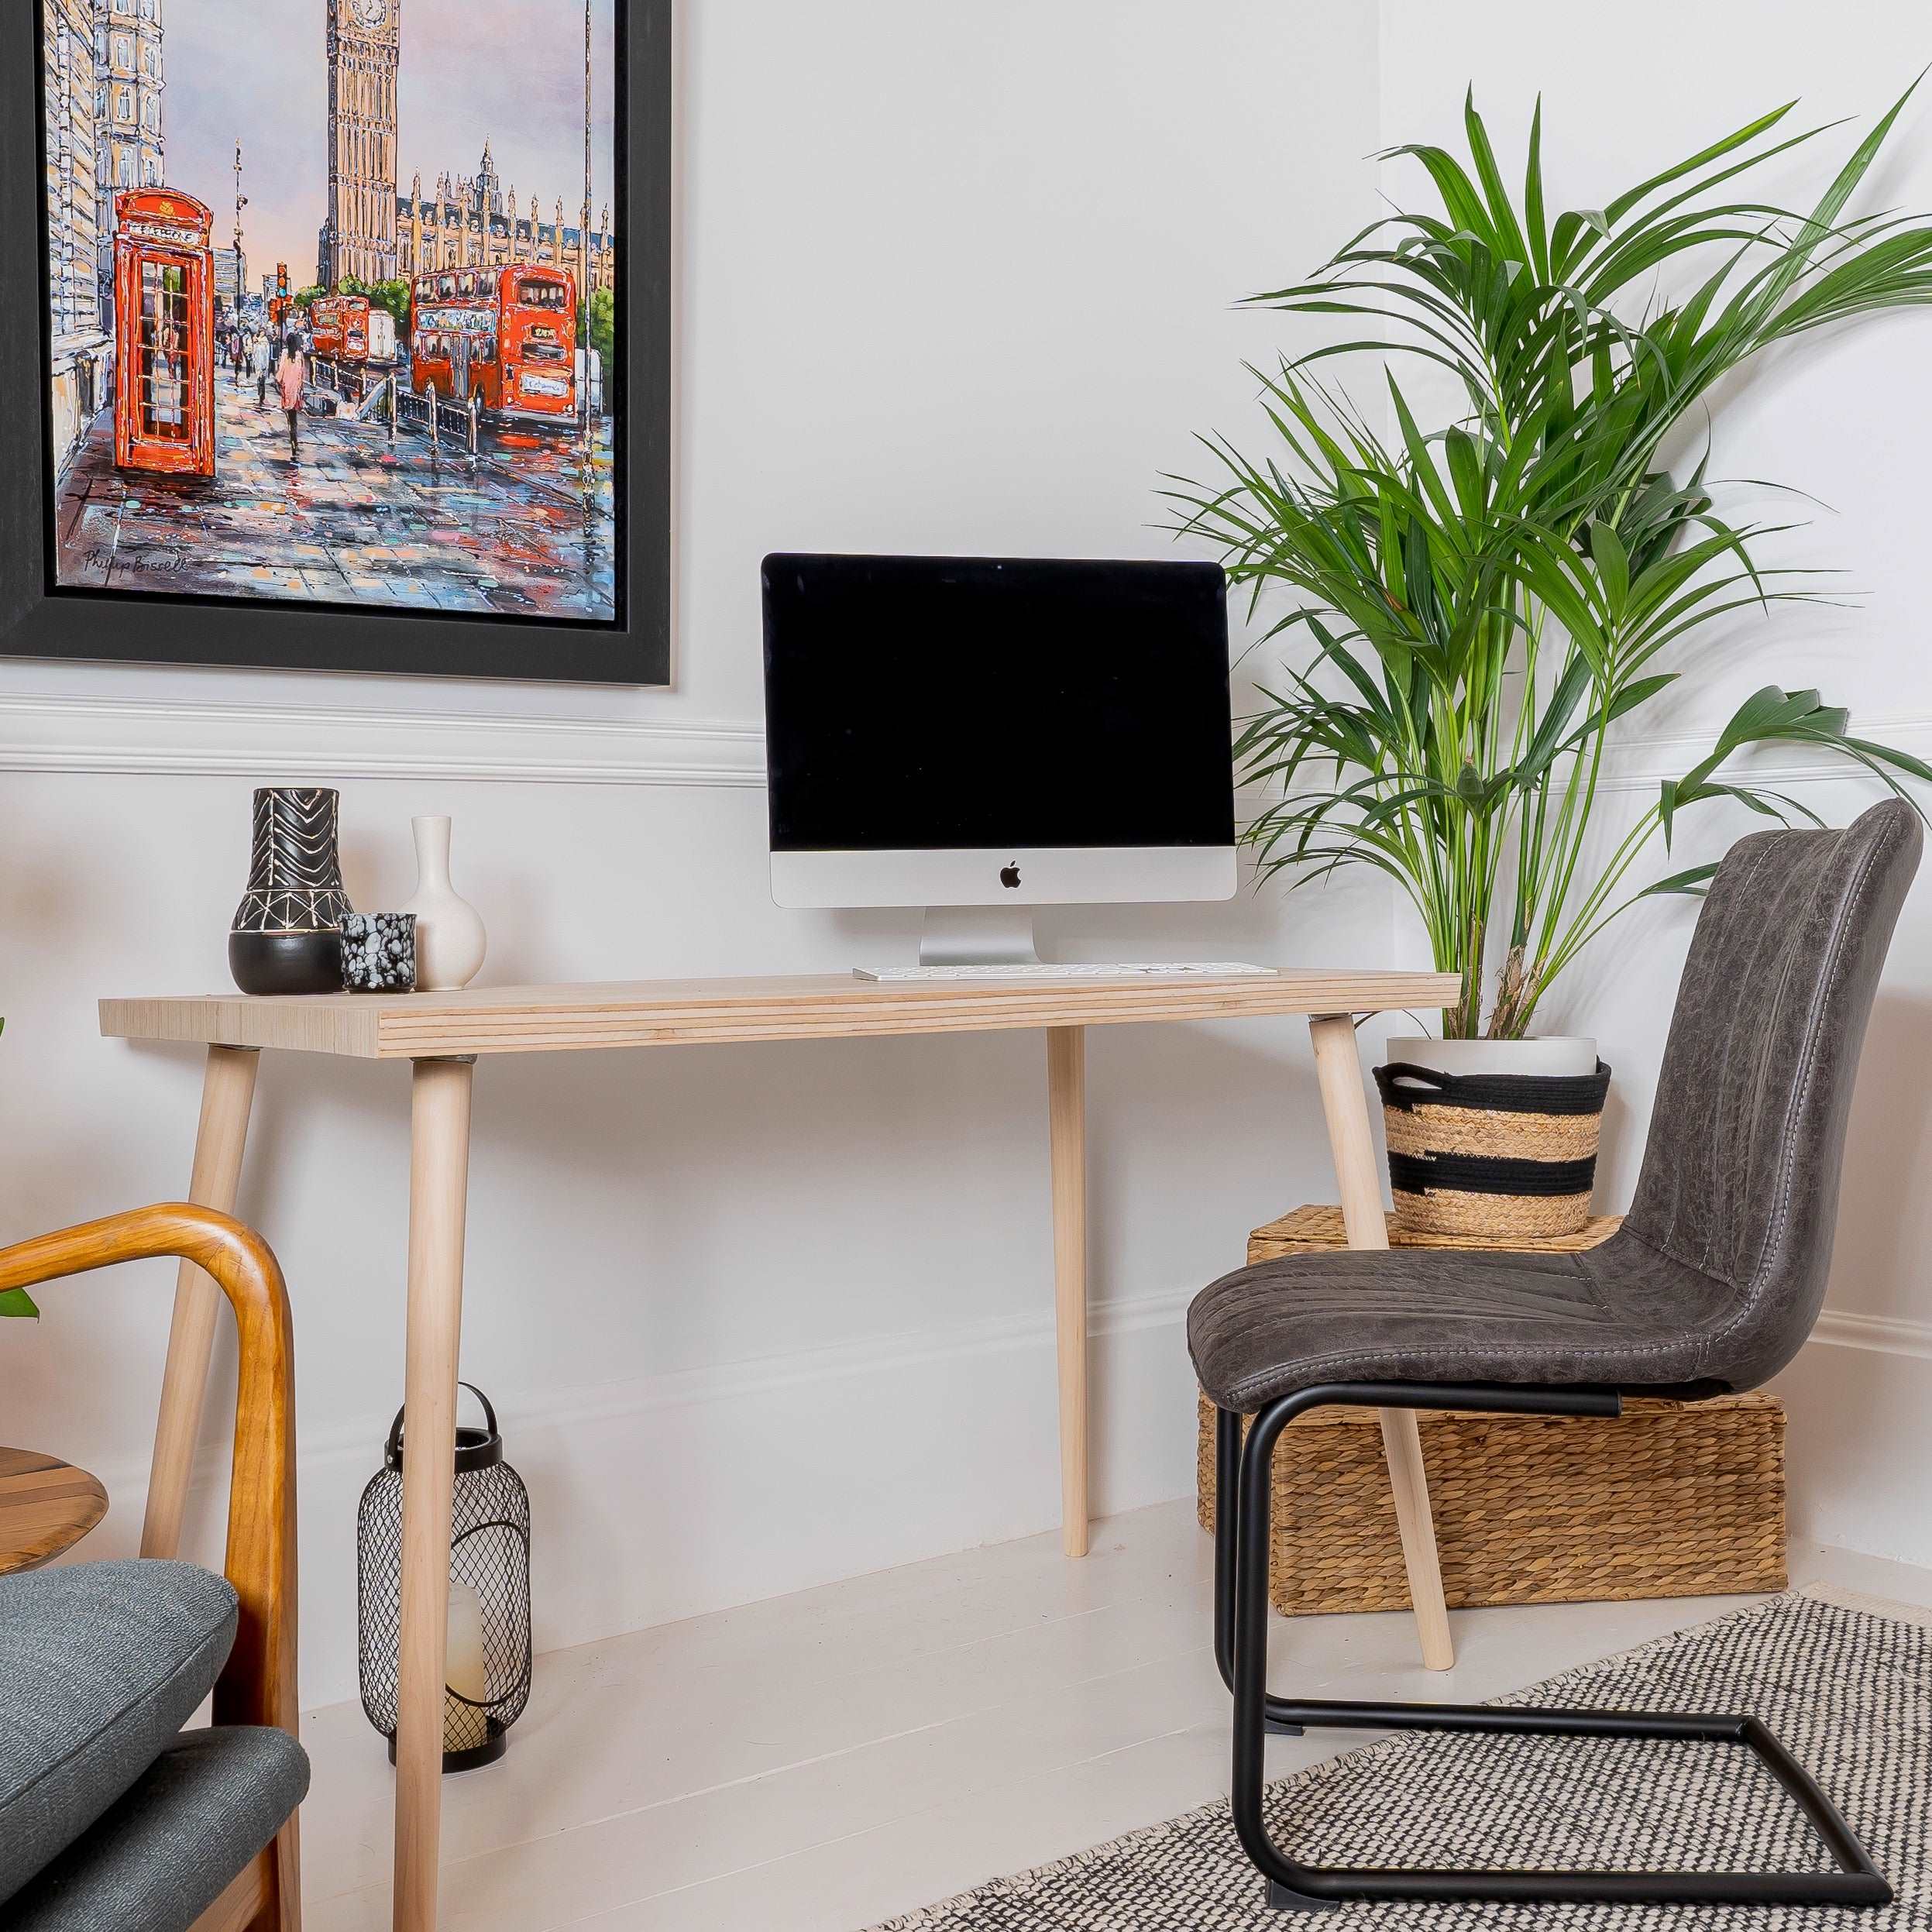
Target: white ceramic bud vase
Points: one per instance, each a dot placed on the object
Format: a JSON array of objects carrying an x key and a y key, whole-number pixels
[{"x": 450, "y": 939}]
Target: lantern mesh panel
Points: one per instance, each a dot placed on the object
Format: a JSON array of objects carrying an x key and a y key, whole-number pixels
[{"x": 489, "y": 1550}]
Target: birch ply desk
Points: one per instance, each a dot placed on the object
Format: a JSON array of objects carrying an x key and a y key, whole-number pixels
[{"x": 442, "y": 1035}]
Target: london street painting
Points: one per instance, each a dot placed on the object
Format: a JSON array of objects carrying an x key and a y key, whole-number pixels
[{"x": 331, "y": 290}]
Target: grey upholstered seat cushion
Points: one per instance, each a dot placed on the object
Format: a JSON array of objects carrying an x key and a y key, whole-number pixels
[
  {"x": 1719, "y": 1269},
  {"x": 1619, "y": 1314},
  {"x": 163, "y": 1853},
  {"x": 101, "y": 1664}
]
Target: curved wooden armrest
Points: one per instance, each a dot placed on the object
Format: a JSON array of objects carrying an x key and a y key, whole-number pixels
[{"x": 258, "y": 1685}]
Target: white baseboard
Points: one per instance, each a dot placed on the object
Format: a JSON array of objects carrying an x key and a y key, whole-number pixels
[
  {"x": 642, "y": 1488},
  {"x": 849, "y": 1459},
  {"x": 1842, "y": 1329}
]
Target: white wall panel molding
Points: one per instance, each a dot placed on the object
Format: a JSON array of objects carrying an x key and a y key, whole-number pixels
[
  {"x": 157, "y": 737},
  {"x": 794, "y": 1490},
  {"x": 1637, "y": 764},
  {"x": 728, "y": 1385},
  {"x": 161, "y": 738}
]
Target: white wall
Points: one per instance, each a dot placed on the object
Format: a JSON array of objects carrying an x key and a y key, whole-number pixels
[
  {"x": 948, "y": 278},
  {"x": 1847, "y": 417}
]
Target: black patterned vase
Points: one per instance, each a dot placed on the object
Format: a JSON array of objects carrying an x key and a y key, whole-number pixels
[{"x": 287, "y": 937}]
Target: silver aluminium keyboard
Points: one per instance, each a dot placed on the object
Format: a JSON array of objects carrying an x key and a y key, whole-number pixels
[{"x": 1185, "y": 969}]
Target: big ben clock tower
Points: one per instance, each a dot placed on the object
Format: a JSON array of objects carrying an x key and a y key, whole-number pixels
[{"x": 359, "y": 239}]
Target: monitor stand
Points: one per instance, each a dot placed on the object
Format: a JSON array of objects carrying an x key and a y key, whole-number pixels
[{"x": 977, "y": 936}]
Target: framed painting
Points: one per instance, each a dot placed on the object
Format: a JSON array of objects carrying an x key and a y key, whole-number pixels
[{"x": 334, "y": 334}]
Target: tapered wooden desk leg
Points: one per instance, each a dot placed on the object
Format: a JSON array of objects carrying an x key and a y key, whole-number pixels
[
  {"x": 1067, "y": 1134},
  {"x": 228, "y": 1090},
  {"x": 439, "y": 1186},
  {"x": 1343, "y": 1102}
]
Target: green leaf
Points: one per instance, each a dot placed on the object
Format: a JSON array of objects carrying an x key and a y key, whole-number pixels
[
  {"x": 1502, "y": 215},
  {"x": 1626, "y": 201},
  {"x": 1536, "y": 231},
  {"x": 1691, "y": 880},
  {"x": 1613, "y": 567},
  {"x": 17, "y": 1301}
]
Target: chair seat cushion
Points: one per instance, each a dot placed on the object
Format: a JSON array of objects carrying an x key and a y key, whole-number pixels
[
  {"x": 1415, "y": 1315},
  {"x": 102, "y": 1664},
  {"x": 164, "y": 1852}
]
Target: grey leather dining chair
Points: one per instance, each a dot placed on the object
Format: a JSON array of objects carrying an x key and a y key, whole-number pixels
[{"x": 1710, "y": 1286}]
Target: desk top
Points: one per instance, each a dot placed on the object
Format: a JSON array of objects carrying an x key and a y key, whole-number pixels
[{"x": 654, "y": 1012}]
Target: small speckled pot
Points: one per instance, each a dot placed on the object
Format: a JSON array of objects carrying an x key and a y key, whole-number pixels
[{"x": 379, "y": 952}]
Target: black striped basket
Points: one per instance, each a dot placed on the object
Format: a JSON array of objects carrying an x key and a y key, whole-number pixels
[{"x": 1497, "y": 1156}]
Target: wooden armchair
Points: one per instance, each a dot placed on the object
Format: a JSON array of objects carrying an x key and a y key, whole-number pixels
[{"x": 256, "y": 1684}]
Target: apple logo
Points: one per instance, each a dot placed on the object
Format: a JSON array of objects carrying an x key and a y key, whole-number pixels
[{"x": 1009, "y": 874}]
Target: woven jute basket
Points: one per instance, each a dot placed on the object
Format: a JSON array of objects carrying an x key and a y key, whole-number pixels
[
  {"x": 1500, "y": 1157},
  {"x": 1672, "y": 1499}
]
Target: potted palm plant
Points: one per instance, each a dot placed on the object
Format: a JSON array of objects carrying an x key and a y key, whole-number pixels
[{"x": 1477, "y": 609}]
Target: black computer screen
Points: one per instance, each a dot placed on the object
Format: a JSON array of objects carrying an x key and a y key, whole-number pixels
[{"x": 920, "y": 702}]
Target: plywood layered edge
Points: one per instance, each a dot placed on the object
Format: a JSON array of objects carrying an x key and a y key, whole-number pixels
[{"x": 662, "y": 1013}]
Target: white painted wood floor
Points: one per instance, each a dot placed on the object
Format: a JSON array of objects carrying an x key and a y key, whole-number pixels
[{"x": 816, "y": 1762}]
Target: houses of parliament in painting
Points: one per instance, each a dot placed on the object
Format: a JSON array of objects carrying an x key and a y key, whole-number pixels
[{"x": 374, "y": 234}]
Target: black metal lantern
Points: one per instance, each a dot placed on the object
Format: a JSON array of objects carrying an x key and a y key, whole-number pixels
[{"x": 487, "y": 1671}]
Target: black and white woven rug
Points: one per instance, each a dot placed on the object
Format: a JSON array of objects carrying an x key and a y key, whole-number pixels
[{"x": 1847, "y": 1688}]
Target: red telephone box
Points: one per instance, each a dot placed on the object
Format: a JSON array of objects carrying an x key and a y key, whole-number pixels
[{"x": 164, "y": 331}]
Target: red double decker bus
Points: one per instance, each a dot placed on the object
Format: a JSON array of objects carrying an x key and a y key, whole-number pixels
[
  {"x": 507, "y": 335},
  {"x": 347, "y": 329}
]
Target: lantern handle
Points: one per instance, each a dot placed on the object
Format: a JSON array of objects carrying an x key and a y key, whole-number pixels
[{"x": 395, "y": 1445}]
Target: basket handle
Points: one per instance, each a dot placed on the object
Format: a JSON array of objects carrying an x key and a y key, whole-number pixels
[
  {"x": 1408, "y": 1086},
  {"x": 1402, "y": 1083},
  {"x": 395, "y": 1444}
]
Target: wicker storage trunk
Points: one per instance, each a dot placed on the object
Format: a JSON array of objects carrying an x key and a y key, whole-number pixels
[{"x": 1673, "y": 1499}]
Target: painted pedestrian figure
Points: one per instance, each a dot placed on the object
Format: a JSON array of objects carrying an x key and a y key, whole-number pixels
[{"x": 291, "y": 378}]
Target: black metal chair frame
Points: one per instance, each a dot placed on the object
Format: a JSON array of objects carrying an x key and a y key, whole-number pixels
[{"x": 1244, "y": 1484}]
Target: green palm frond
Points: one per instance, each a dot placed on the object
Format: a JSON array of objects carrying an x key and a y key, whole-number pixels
[{"x": 1480, "y": 602}]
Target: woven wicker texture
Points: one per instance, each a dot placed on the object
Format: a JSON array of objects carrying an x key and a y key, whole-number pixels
[
  {"x": 1673, "y": 1499},
  {"x": 1491, "y": 1220},
  {"x": 1427, "y": 1130},
  {"x": 1308, "y": 1230},
  {"x": 1428, "y": 1127}
]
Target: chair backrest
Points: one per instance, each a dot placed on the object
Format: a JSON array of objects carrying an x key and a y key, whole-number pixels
[{"x": 1740, "y": 1176}]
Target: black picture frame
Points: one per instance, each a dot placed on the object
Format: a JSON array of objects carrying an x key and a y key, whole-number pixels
[{"x": 39, "y": 620}]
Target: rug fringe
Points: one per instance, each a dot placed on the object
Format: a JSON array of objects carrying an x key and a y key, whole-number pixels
[{"x": 1918, "y": 1615}]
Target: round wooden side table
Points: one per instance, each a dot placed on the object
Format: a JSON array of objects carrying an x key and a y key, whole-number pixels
[{"x": 46, "y": 1506}]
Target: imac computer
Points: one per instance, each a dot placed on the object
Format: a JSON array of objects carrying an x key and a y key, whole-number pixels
[{"x": 981, "y": 735}]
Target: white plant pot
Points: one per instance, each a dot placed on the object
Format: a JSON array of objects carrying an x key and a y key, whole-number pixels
[
  {"x": 1552, "y": 1054},
  {"x": 450, "y": 939}
]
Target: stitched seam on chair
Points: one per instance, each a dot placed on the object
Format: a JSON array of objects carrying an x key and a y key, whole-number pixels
[
  {"x": 1800, "y": 1090},
  {"x": 1416, "y": 1355},
  {"x": 1774, "y": 1235},
  {"x": 1760, "y": 856},
  {"x": 1720, "y": 1216},
  {"x": 1791, "y": 1105},
  {"x": 1634, "y": 1349}
]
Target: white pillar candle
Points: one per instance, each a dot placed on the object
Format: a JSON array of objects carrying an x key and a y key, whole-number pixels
[{"x": 464, "y": 1670}]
